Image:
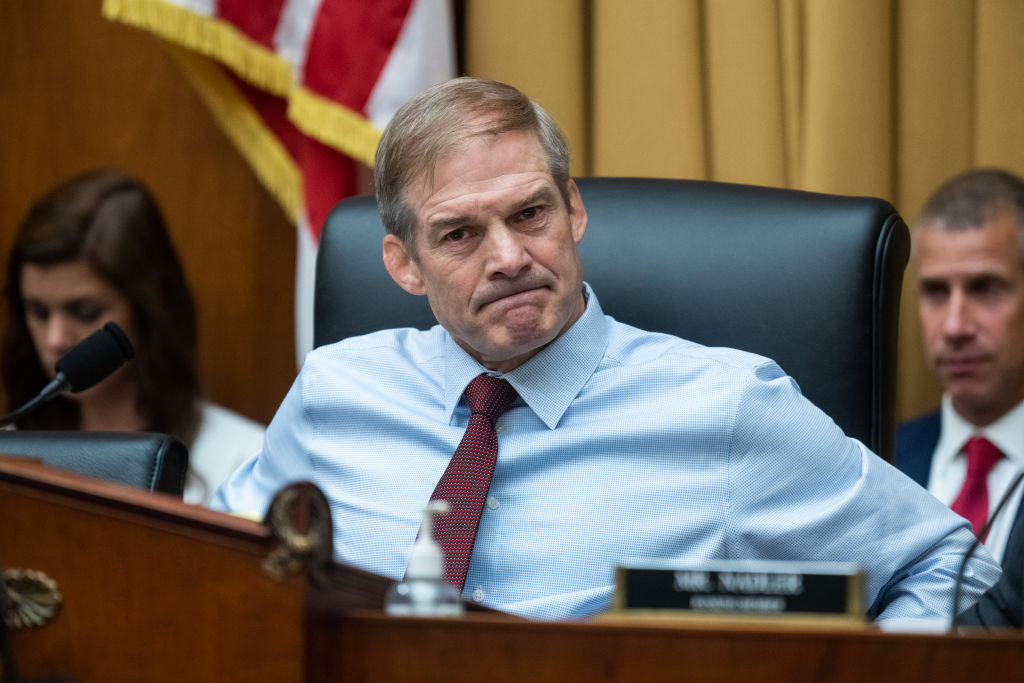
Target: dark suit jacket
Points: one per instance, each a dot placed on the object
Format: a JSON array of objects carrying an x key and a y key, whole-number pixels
[
  {"x": 915, "y": 445},
  {"x": 1001, "y": 605}
]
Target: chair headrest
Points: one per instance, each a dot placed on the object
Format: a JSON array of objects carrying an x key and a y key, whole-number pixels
[{"x": 143, "y": 460}]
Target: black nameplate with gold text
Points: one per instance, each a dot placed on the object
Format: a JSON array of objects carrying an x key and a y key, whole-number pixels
[{"x": 770, "y": 589}]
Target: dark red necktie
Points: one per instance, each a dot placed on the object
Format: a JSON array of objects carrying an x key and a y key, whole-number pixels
[
  {"x": 465, "y": 483},
  {"x": 972, "y": 501}
]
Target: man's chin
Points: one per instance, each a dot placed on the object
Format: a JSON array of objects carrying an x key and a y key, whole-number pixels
[
  {"x": 516, "y": 347},
  {"x": 966, "y": 379},
  {"x": 974, "y": 394}
]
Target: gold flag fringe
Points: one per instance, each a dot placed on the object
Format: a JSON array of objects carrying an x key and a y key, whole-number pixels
[
  {"x": 209, "y": 36},
  {"x": 333, "y": 124},
  {"x": 327, "y": 121}
]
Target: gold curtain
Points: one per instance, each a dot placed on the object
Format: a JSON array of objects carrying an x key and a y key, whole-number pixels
[{"x": 862, "y": 97}]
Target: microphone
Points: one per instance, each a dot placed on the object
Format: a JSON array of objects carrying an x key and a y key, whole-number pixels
[
  {"x": 958, "y": 585},
  {"x": 89, "y": 361}
]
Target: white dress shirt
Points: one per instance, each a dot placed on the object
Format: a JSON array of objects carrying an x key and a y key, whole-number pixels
[
  {"x": 224, "y": 441},
  {"x": 949, "y": 465},
  {"x": 622, "y": 444}
]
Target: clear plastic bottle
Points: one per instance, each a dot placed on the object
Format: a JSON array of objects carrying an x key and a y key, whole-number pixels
[{"x": 424, "y": 593}]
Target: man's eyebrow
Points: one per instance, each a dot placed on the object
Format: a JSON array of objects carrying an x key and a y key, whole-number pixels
[
  {"x": 543, "y": 194},
  {"x": 450, "y": 222}
]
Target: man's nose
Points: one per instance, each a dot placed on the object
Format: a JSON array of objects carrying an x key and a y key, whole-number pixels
[
  {"x": 958, "y": 321},
  {"x": 507, "y": 253}
]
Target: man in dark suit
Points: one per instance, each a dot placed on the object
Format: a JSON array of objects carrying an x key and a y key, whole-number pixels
[
  {"x": 1001, "y": 606},
  {"x": 969, "y": 253}
]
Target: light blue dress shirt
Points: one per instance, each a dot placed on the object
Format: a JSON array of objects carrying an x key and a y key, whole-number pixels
[{"x": 622, "y": 444}]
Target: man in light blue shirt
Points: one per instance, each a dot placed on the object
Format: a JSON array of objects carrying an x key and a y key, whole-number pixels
[{"x": 621, "y": 444}]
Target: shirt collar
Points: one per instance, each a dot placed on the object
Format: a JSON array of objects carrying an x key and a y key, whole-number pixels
[
  {"x": 549, "y": 381},
  {"x": 1005, "y": 433}
]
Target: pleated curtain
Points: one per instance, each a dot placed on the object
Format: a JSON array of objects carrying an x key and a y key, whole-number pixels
[{"x": 862, "y": 97}]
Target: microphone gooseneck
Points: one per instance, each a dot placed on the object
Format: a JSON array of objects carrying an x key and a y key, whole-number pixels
[
  {"x": 91, "y": 360},
  {"x": 958, "y": 585}
]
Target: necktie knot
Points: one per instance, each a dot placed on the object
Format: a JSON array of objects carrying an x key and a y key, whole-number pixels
[
  {"x": 489, "y": 396},
  {"x": 982, "y": 456}
]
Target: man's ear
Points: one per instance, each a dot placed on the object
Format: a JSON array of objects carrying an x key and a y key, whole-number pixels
[
  {"x": 401, "y": 266},
  {"x": 578, "y": 217}
]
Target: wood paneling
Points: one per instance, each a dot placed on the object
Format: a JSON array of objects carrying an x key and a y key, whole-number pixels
[
  {"x": 79, "y": 92},
  {"x": 363, "y": 646},
  {"x": 186, "y": 599}
]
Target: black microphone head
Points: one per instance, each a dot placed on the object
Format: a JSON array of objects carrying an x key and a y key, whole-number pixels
[{"x": 94, "y": 358}]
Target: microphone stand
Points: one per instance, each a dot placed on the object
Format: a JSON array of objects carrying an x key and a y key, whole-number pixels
[
  {"x": 86, "y": 363},
  {"x": 49, "y": 391},
  {"x": 974, "y": 546}
]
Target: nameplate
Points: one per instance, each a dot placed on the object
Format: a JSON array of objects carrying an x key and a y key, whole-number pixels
[{"x": 740, "y": 588}]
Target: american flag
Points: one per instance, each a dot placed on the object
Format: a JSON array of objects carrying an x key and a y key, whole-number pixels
[{"x": 303, "y": 88}]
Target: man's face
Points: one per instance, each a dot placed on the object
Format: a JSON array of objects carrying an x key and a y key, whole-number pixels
[
  {"x": 496, "y": 249},
  {"x": 971, "y": 286}
]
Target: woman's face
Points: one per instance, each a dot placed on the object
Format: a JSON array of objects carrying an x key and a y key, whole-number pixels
[{"x": 66, "y": 302}]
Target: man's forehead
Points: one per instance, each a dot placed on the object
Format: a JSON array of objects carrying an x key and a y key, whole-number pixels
[
  {"x": 969, "y": 253},
  {"x": 514, "y": 162}
]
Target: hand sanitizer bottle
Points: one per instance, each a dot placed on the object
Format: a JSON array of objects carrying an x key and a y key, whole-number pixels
[{"x": 424, "y": 593}]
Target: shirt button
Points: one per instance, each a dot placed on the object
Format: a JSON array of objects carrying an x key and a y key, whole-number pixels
[
  {"x": 499, "y": 429},
  {"x": 492, "y": 503},
  {"x": 478, "y": 595}
]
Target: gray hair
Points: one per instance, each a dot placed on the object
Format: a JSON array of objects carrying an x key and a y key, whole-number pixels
[
  {"x": 971, "y": 199},
  {"x": 431, "y": 124}
]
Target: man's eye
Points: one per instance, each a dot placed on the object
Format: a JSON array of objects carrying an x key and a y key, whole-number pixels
[
  {"x": 933, "y": 292},
  {"x": 530, "y": 213},
  {"x": 456, "y": 235},
  {"x": 986, "y": 288}
]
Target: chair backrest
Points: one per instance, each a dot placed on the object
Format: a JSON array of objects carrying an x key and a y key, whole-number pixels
[
  {"x": 809, "y": 280},
  {"x": 142, "y": 460}
]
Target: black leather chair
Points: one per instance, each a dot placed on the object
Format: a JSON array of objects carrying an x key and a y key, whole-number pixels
[
  {"x": 809, "y": 280},
  {"x": 143, "y": 460}
]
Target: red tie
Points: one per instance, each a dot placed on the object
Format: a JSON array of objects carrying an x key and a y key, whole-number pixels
[
  {"x": 972, "y": 502},
  {"x": 465, "y": 483}
]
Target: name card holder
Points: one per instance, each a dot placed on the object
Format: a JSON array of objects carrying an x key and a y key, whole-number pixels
[{"x": 817, "y": 593}]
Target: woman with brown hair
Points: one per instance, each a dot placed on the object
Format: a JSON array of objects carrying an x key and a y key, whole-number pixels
[{"x": 96, "y": 249}]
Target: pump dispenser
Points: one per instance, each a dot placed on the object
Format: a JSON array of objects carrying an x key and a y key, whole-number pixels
[{"x": 424, "y": 593}]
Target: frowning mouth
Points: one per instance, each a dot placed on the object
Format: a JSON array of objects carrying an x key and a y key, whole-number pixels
[{"x": 513, "y": 297}]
